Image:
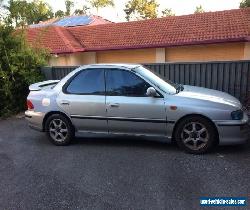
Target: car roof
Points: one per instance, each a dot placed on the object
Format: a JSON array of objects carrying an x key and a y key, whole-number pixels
[{"x": 112, "y": 65}]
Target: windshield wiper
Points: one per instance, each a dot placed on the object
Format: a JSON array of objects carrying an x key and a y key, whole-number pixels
[{"x": 179, "y": 87}]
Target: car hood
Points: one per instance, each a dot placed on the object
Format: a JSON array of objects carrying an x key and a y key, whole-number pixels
[{"x": 209, "y": 95}]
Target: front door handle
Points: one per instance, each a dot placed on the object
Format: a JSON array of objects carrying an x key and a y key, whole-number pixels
[
  {"x": 64, "y": 102},
  {"x": 113, "y": 105}
]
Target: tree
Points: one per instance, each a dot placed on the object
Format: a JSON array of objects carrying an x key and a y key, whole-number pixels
[
  {"x": 101, "y": 4},
  {"x": 22, "y": 12},
  {"x": 59, "y": 14},
  {"x": 68, "y": 4},
  {"x": 2, "y": 10},
  {"x": 84, "y": 11},
  {"x": 17, "y": 10},
  {"x": 19, "y": 65},
  {"x": 245, "y": 3},
  {"x": 141, "y": 9},
  {"x": 199, "y": 9},
  {"x": 38, "y": 11},
  {"x": 167, "y": 12}
]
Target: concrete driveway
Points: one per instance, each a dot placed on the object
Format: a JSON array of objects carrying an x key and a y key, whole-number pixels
[{"x": 96, "y": 173}]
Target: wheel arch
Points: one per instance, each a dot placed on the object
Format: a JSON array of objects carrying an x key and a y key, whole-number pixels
[
  {"x": 195, "y": 115},
  {"x": 56, "y": 112}
]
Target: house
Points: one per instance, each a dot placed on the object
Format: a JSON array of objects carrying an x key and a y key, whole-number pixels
[{"x": 211, "y": 36}]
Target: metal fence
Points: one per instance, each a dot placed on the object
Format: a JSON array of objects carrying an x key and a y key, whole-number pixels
[{"x": 230, "y": 77}]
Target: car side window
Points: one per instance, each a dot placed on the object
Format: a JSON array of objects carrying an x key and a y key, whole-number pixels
[
  {"x": 125, "y": 83},
  {"x": 88, "y": 82}
]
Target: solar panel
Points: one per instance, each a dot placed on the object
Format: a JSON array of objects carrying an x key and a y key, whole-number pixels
[
  {"x": 67, "y": 22},
  {"x": 74, "y": 21}
]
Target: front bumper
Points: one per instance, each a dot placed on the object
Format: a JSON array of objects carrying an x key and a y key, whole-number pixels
[
  {"x": 35, "y": 119},
  {"x": 234, "y": 132}
]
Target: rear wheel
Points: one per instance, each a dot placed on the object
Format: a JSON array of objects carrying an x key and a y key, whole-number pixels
[
  {"x": 59, "y": 130},
  {"x": 196, "y": 135}
]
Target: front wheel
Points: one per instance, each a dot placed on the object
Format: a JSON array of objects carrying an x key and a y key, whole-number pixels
[
  {"x": 59, "y": 130},
  {"x": 196, "y": 135}
]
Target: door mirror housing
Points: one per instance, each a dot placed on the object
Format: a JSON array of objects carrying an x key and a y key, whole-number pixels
[{"x": 151, "y": 92}]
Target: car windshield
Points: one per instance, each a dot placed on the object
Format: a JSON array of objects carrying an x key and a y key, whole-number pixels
[{"x": 166, "y": 86}]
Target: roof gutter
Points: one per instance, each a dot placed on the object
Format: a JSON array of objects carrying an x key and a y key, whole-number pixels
[
  {"x": 58, "y": 52},
  {"x": 215, "y": 41}
]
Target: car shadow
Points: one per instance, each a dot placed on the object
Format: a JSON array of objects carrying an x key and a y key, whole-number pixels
[
  {"x": 139, "y": 142},
  {"x": 154, "y": 144},
  {"x": 234, "y": 149},
  {"x": 145, "y": 142}
]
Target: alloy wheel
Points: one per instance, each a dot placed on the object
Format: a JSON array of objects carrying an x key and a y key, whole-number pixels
[
  {"x": 195, "y": 135},
  {"x": 58, "y": 130}
]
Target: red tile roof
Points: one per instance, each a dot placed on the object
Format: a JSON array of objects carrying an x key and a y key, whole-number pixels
[
  {"x": 210, "y": 27},
  {"x": 46, "y": 22},
  {"x": 97, "y": 20},
  {"x": 56, "y": 39}
]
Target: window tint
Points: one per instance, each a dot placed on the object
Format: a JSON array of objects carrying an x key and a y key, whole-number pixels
[
  {"x": 124, "y": 83},
  {"x": 90, "y": 82}
]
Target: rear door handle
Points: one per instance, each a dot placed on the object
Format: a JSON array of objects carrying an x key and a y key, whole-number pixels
[
  {"x": 114, "y": 105},
  {"x": 65, "y": 102}
]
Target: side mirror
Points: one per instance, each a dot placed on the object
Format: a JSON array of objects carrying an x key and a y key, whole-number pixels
[{"x": 151, "y": 92}]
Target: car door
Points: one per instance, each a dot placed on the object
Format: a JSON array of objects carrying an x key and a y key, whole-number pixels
[
  {"x": 129, "y": 109},
  {"x": 83, "y": 99}
]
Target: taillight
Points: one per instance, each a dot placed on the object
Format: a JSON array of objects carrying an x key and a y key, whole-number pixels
[{"x": 30, "y": 105}]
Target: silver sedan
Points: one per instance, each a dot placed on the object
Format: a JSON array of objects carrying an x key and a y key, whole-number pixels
[{"x": 124, "y": 99}]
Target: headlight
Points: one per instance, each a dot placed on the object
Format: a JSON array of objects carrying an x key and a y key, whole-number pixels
[{"x": 237, "y": 115}]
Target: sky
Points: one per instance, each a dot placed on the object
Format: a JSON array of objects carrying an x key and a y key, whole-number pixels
[{"x": 180, "y": 7}]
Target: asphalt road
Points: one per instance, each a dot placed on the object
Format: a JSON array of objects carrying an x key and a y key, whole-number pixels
[{"x": 109, "y": 173}]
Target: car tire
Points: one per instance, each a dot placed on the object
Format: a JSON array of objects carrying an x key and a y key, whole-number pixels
[
  {"x": 196, "y": 135},
  {"x": 59, "y": 130}
]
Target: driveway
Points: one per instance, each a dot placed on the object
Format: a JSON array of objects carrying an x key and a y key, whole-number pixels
[{"x": 109, "y": 173}]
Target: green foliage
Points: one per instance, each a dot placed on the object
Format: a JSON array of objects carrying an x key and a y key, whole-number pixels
[
  {"x": 59, "y": 14},
  {"x": 22, "y": 12},
  {"x": 18, "y": 69},
  {"x": 68, "y": 4},
  {"x": 168, "y": 12},
  {"x": 199, "y": 9},
  {"x": 2, "y": 10},
  {"x": 101, "y": 3},
  {"x": 141, "y": 9},
  {"x": 38, "y": 11},
  {"x": 84, "y": 11},
  {"x": 245, "y": 3}
]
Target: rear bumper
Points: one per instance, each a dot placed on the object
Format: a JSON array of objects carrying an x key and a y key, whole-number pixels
[
  {"x": 232, "y": 132},
  {"x": 35, "y": 119}
]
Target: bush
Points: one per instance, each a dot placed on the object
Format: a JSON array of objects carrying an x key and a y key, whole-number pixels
[{"x": 19, "y": 67}]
